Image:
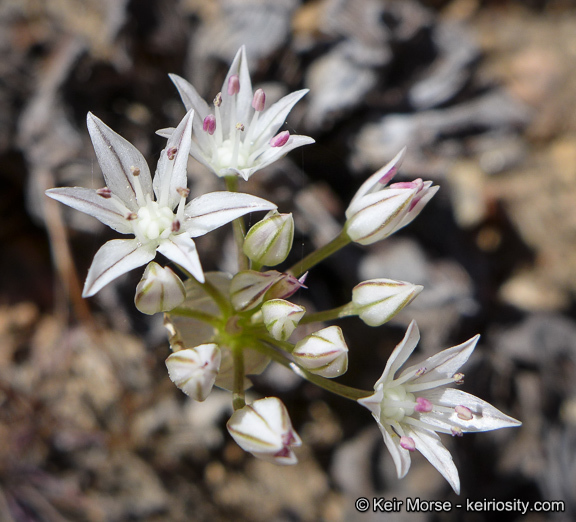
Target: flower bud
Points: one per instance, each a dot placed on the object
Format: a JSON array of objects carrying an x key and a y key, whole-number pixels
[
  {"x": 324, "y": 353},
  {"x": 249, "y": 288},
  {"x": 281, "y": 318},
  {"x": 159, "y": 290},
  {"x": 269, "y": 241},
  {"x": 263, "y": 428},
  {"x": 378, "y": 300},
  {"x": 377, "y": 211},
  {"x": 194, "y": 370}
]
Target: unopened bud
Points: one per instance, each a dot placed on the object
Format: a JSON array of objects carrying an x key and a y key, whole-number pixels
[
  {"x": 159, "y": 290},
  {"x": 194, "y": 370},
  {"x": 324, "y": 352},
  {"x": 281, "y": 317},
  {"x": 269, "y": 241},
  {"x": 263, "y": 428},
  {"x": 378, "y": 300}
]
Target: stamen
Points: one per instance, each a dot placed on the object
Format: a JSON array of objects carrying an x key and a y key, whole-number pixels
[
  {"x": 407, "y": 443},
  {"x": 140, "y": 198},
  {"x": 176, "y": 225},
  {"x": 423, "y": 405},
  {"x": 171, "y": 153},
  {"x": 457, "y": 432},
  {"x": 259, "y": 100},
  {"x": 280, "y": 139},
  {"x": 183, "y": 191},
  {"x": 463, "y": 413},
  {"x": 236, "y": 143},
  {"x": 209, "y": 124},
  {"x": 424, "y": 425},
  {"x": 104, "y": 192},
  {"x": 132, "y": 216},
  {"x": 217, "y": 103},
  {"x": 458, "y": 378}
]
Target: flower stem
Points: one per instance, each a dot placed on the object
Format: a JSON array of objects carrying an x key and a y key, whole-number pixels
[
  {"x": 328, "y": 315},
  {"x": 327, "y": 384},
  {"x": 217, "y": 297},
  {"x": 195, "y": 314},
  {"x": 238, "y": 227},
  {"x": 238, "y": 400},
  {"x": 340, "y": 241}
]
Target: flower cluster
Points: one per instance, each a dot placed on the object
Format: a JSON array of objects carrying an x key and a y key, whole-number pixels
[{"x": 224, "y": 327}]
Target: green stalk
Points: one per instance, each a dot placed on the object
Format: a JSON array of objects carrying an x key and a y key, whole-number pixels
[
  {"x": 196, "y": 314},
  {"x": 238, "y": 227},
  {"x": 238, "y": 400},
  {"x": 320, "y": 254},
  {"x": 328, "y": 315},
  {"x": 327, "y": 384}
]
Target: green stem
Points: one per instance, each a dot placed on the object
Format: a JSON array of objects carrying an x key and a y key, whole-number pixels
[
  {"x": 327, "y": 384},
  {"x": 238, "y": 227},
  {"x": 217, "y": 297},
  {"x": 238, "y": 400},
  {"x": 320, "y": 254},
  {"x": 195, "y": 314},
  {"x": 328, "y": 315}
]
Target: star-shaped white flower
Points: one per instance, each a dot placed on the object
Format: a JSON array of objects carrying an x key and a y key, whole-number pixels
[
  {"x": 412, "y": 408},
  {"x": 156, "y": 211},
  {"x": 238, "y": 137}
]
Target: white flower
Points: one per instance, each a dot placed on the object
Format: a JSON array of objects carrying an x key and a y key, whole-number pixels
[
  {"x": 159, "y": 290},
  {"x": 269, "y": 241},
  {"x": 194, "y": 370},
  {"x": 281, "y": 317},
  {"x": 377, "y": 211},
  {"x": 263, "y": 428},
  {"x": 378, "y": 300},
  {"x": 324, "y": 352},
  {"x": 413, "y": 407},
  {"x": 238, "y": 137},
  {"x": 156, "y": 211}
]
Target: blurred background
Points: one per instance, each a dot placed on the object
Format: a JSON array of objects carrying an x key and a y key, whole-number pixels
[{"x": 481, "y": 92}]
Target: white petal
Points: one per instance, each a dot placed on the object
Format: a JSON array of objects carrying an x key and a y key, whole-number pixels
[
  {"x": 171, "y": 174},
  {"x": 194, "y": 370},
  {"x": 445, "y": 363},
  {"x": 243, "y": 101},
  {"x": 374, "y": 181},
  {"x": 401, "y": 353},
  {"x": 400, "y": 456},
  {"x": 88, "y": 201},
  {"x": 115, "y": 258},
  {"x": 190, "y": 97},
  {"x": 274, "y": 117},
  {"x": 271, "y": 154},
  {"x": 485, "y": 416},
  {"x": 210, "y": 211},
  {"x": 182, "y": 250},
  {"x": 116, "y": 157},
  {"x": 192, "y": 100},
  {"x": 428, "y": 443}
]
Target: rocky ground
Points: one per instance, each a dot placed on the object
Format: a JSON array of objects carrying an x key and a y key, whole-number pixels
[{"x": 482, "y": 93}]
